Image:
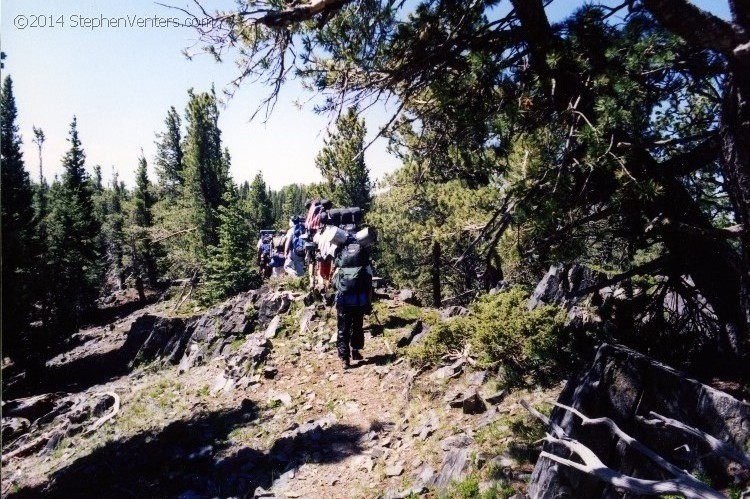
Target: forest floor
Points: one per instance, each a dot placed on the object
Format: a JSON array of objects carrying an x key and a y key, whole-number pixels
[{"x": 306, "y": 428}]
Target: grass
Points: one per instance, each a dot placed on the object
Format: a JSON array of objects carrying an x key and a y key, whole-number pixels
[{"x": 468, "y": 488}]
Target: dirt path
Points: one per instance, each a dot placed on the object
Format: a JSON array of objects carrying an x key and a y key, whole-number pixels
[{"x": 304, "y": 426}]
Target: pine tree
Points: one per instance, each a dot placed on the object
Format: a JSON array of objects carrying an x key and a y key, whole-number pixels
[
  {"x": 342, "y": 163},
  {"x": 17, "y": 224},
  {"x": 113, "y": 226},
  {"x": 205, "y": 166},
  {"x": 258, "y": 205},
  {"x": 169, "y": 156},
  {"x": 73, "y": 240},
  {"x": 229, "y": 269},
  {"x": 143, "y": 220}
]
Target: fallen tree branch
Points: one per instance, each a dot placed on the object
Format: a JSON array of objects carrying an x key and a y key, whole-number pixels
[
  {"x": 99, "y": 422},
  {"x": 717, "y": 446},
  {"x": 682, "y": 483},
  {"x": 34, "y": 445}
]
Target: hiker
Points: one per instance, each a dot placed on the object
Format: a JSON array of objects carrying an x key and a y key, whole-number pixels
[
  {"x": 315, "y": 211},
  {"x": 264, "y": 253},
  {"x": 278, "y": 257},
  {"x": 353, "y": 281},
  {"x": 295, "y": 248}
]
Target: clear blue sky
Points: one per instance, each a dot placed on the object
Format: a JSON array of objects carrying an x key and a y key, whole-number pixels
[{"x": 120, "y": 82}]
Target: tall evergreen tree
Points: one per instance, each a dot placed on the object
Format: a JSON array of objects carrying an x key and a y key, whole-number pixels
[
  {"x": 342, "y": 163},
  {"x": 205, "y": 167},
  {"x": 114, "y": 221},
  {"x": 169, "y": 156},
  {"x": 17, "y": 223},
  {"x": 229, "y": 269},
  {"x": 143, "y": 220},
  {"x": 73, "y": 240},
  {"x": 258, "y": 205}
]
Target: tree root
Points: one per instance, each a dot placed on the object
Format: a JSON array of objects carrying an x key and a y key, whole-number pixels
[
  {"x": 34, "y": 445},
  {"x": 682, "y": 483},
  {"x": 99, "y": 422}
]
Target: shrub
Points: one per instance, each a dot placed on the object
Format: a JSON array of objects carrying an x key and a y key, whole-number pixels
[{"x": 526, "y": 347}]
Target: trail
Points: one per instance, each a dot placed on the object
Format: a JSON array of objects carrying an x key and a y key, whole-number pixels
[{"x": 301, "y": 427}]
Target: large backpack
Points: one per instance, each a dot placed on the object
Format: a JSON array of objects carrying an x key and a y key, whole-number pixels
[
  {"x": 298, "y": 244},
  {"x": 265, "y": 246},
  {"x": 352, "y": 276}
]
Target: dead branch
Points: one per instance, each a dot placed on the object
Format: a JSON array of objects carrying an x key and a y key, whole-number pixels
[
  {"x": 183, "y": 231},
  {"x": 115, "y": 409},
  {"x": 717, "y": 446},
  {"x": 34, "y": 445},
  {"x": 556, "y": 429},
  {"x": 682, "y": 483}
]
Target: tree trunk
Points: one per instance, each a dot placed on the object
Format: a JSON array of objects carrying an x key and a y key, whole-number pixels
[
  {"x": 735, "y": 163},
  {"x": 437, "y": 299}
]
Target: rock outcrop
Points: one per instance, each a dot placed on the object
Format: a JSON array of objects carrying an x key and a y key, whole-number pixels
[
  {"x": 566, "y": 286},
  {"x": 623, "y": 385}
]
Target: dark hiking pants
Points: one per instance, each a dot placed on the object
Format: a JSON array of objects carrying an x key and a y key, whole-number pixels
[{"x": 349, "y": 329}]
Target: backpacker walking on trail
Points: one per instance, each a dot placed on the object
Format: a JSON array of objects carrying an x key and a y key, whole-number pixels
[
  {"x": 353, "y": 282},
  {"x": 265, "y": 252},
  {"x": 295, "y": 248}
]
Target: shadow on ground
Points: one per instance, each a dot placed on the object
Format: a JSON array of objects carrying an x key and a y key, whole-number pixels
[
  {"x": 191, "y": 458},
  {"x": 378, "y": 360}
]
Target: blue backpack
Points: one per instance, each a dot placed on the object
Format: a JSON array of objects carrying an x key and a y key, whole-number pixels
[
  {"x": 298, "y": 244},
  {"x": 265, "y": 246}
]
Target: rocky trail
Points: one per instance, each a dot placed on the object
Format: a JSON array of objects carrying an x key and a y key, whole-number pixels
[{"x": 248, "y": 399}]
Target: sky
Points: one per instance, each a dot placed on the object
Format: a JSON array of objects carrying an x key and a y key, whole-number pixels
[{"x": 120, "y": 81}]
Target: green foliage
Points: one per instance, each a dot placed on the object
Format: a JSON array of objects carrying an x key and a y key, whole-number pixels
[
  {"x": 205, "y": 168},
  {"x": 73, "y": 240},
  {"x": 413, "y": 213},
  {"x": 229, "y": 269},
  {"x": 342, "y": 163},
  {"x": 144, "y": 251},
  {"x": 258, "y": 205},
  {"x": 468, "y": 488},
  {"x": 18, "y": 228},
  {"x": 287, "y": 202},
  {"x": 169, "y": 155},
  {"x": 526, "y": 347}
]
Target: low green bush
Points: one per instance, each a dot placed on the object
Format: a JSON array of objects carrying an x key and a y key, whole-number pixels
[{"x": 526, "y": 348}]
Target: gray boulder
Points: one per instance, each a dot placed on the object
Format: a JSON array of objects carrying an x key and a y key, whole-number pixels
[{"x": 565, "y": 285}]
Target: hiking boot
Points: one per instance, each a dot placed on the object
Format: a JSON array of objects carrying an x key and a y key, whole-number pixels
[
  {"x": 356, "y": 355},
  {"x": 345, "y": 363}
]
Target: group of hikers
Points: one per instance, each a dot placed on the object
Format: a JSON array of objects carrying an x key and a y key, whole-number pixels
[{"x": 332, "y": 248}]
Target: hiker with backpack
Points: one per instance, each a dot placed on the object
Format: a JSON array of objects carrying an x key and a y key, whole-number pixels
[
  {"x": 265, "y": 252},
  {"x": 353, "y": 281},
  {"x": 295, "y": 248}
]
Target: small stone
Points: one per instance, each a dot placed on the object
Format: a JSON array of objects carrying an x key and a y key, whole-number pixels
[
  {"x": 474, "y": 404},
  {"x": 496, "y": 397},
  {"x": 284, "y": 398},
  {"x": 476, "y": 378},
  {"x": 395, "y": 470},
  {"x": 456, "y": 442},
  {"x": 368, "y": 464},
  {"x": 272, "y": 327},
  {"x": 502, "y": 461},
  {"x": 270, "y": 372}
]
